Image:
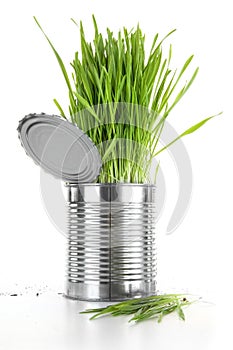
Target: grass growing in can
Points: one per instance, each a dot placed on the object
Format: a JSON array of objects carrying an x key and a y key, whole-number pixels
[{"x": 121, "y": 98}]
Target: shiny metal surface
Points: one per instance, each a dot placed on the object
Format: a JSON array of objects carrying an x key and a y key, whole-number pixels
[
  {"x": 111, "y": 241},
  {"x": 59, "y": 147}
]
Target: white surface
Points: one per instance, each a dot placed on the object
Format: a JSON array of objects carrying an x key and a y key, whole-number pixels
[{"x": 52, "y": 322}]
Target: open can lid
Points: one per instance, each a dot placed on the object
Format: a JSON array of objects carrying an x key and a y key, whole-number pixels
[{"x": 60, "y": 148}]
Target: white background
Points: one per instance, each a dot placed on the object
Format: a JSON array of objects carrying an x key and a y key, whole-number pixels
[{"x": 197, "y": 257}]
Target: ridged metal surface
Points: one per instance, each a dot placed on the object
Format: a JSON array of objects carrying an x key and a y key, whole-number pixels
[{"x": 111, "y": 241}]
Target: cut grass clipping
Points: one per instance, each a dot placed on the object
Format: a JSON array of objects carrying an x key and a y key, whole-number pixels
[
  {"x": 121, "y": 99},
  {"x": 153, "y": 307}
]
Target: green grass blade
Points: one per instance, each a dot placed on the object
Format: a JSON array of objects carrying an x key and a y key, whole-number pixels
[
  {"x": 86, "y": 105},
  {"x": 60, "y": 108},
  {"x": 187, "y": 132},
  {"x": 61, "y": 64},
  {"x": 180, "y": 312}
]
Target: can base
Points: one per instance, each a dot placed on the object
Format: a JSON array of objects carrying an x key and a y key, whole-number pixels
[{"x": 106, "y": 292}]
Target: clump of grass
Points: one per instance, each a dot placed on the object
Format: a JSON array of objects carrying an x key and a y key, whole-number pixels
[
  {"x": 122, "y": 99},
  {"x": 142, "y": 309}
]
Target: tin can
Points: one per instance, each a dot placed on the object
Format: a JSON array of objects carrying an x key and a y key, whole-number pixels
[{"x": 111, "y": 253}]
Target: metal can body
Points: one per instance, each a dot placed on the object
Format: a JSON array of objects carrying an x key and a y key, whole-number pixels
[{"x": 111, "y": 241}]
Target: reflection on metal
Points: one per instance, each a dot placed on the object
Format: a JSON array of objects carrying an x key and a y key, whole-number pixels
[{"x": 111, "y": 241}]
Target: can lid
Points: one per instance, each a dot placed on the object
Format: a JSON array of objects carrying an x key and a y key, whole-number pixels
[{"x": 60, "y": 148}]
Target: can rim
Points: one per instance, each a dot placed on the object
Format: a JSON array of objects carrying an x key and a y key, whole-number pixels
[{"x": 109, "y": 184}]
